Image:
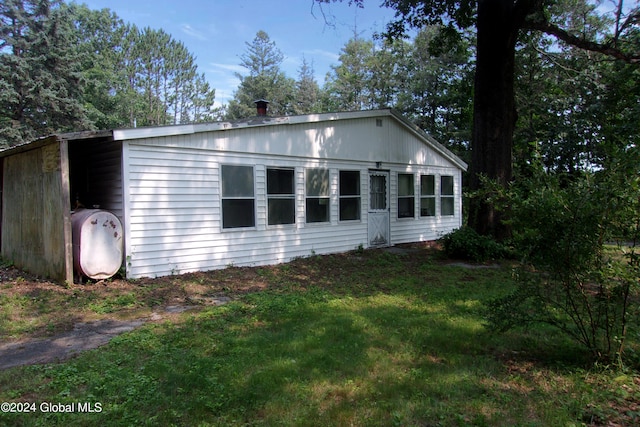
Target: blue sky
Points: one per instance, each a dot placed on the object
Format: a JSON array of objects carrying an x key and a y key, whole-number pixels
[{"x": 215, "y": 31}]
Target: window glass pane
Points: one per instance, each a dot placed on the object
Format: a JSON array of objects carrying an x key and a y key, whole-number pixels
[
  {"x": 349, "y": 208},
  {"x": 349, "y": 183},
  {"x": 281, "y": 211},
  {"x": 405, "y": 207},
  {"x": 446, "y": 185},
  {"x": 280, "y": 181},
  {"x": 378, "y": 192},
  {"x": 317, "y": 182},
  {"x": 428, "y": 206},
  {"x": 446, "y": 206},
  {"x": 237, "y": 181},
  {"x": 317, "y": 210},
  {"x": 238, "y": 213},
  {"x": 427, "y": 185},
  {"x": 405, "y": 184}
]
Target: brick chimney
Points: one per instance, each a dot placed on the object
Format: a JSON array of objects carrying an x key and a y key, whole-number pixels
[{"x": 261, "y": 107}]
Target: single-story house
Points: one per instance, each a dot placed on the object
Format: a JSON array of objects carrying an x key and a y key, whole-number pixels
[{"x": 252, "y": 192}]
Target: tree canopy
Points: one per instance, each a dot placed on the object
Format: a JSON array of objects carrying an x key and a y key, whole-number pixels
[
  {"x": 499, "y": 26},
  {"x": 66, "y": 67},
  {"x": 265, "y": 80},
  {"x": 40, "y": 71}
]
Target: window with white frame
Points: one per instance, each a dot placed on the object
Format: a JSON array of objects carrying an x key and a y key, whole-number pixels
[
  {"x": 238, "y": 196},
  {"x": 406, "y": 196},
  {"x": 349, "y": 195},
  {"x": 317, "y": 200},
  {"x": 281, "y": 203},
  {"x": 447, "y": 199},
  {"x": 427, "y": 195}
]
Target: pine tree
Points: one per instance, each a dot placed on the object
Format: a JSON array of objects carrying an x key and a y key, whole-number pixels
[
  {"x": 265, "y": 81},
  {"x": 39, "y": 71},
  {"x": 307, "y": 90},
  {"x": 348, "y": 84},
  {"x": 138, "y": 77}
]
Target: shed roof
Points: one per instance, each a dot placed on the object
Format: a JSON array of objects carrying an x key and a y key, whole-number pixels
[{"x": 257, "y": 121}]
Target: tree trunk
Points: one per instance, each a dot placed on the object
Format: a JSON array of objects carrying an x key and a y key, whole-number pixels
[{"x": 494, "y": 110}]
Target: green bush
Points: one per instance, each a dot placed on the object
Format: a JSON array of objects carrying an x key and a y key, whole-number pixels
[
  {"x": 466, "y": 244},
  {"x": 573, "y": 278}
]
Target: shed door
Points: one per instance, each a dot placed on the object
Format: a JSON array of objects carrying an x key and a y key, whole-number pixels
[{"x": 378, "y": 218}]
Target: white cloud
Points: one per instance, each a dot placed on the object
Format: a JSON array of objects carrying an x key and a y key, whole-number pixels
[
  {"x": 331, "y": 56},
  {"x": 192, "y": 32}
]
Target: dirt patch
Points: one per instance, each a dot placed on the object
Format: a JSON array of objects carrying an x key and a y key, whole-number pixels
[{"x": 84, "y": 336}]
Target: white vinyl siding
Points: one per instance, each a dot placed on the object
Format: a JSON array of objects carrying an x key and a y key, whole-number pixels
[
  {"x": 175, "y": 223},
  {"x": 425, "y": 228},
  {"x": 174, "y": 193}
]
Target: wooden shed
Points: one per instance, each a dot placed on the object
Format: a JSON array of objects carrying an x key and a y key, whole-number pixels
[{"x": 253, "y": 192}]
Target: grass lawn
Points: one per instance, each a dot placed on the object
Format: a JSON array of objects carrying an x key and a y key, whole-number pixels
[{"x": 366, "y": 339}]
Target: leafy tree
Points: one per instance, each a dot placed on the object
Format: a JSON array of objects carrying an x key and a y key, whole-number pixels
[
  {"x": 307, "y": 96},
  {"x": 39, "y": 71},
  {"x": 574, "y": 107},
  {"x": 498, "y": 25},
  {"x": 348, "y": 84},
  {"x": 264, "y": 81},
  {"x": 437, "y": 94},
  {"x": 387, "y": 68},
  {"x": 98, "y": 39},
  {"x": 138, "y": 77}
]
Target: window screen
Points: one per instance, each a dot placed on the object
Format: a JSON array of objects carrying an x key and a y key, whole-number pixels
[
  {"x": 280, "y": 196},
  {"x": 446, "y": 196},
  {"x": 349, "y": 195},
  {"x": 427, "y": 195},
  {"x": 238, "y": 199},
  {"x": 317, "y": 195},
  {"x": 406, "y": 196}
]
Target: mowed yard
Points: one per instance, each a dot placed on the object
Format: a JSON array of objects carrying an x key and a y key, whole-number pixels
[{"x": 367, "y": 338}]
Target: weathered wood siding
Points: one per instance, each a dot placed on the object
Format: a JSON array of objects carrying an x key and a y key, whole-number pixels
[
  {"x": 35, "y": 222},
  {"x": 173, "y": 218}
]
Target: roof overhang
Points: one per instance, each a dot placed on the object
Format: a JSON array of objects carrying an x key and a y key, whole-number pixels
[
  {"x": 163, "y": 131},
  {"x": 50, "y": 139}
]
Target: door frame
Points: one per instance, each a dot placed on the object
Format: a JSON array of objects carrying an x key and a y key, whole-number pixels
[{"x": 379, "y": 220}]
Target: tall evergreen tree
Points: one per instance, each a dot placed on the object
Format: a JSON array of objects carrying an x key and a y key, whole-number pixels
[
  {"x": 437, "y": 91},
  {"x": 39, "y": 71},
  {"x": 98, "y": 38},
  {"x": 348, "y": 83},
  {"x": 264, "y": 81},
  {"x": 138, "y": 77},
  {"x": 307, "y": 97}
]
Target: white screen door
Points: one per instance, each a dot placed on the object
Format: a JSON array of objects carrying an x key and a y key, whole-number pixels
[{"x": 378, "y": 217}]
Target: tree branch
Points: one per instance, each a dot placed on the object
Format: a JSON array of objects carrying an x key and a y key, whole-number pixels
[{"x": 579, "y": 42}]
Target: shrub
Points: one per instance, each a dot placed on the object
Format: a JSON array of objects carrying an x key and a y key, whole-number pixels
[
  {"x": 466, "y": 244},
  {"x": 572, "y": 277}
]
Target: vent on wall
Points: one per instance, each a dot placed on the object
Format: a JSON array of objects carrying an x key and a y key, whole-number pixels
[{"x": 379, "y": 123}]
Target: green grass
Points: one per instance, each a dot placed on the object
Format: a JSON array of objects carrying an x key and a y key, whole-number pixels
[{"x": 365, "y": 340}]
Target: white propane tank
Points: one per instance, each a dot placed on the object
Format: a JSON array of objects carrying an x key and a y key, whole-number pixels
[{"x": 97, "y": 243}]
